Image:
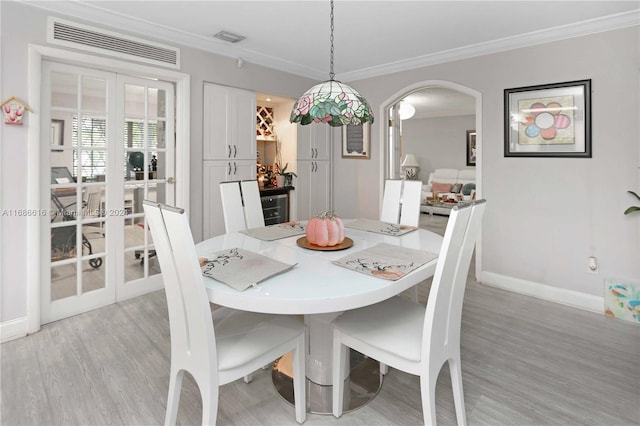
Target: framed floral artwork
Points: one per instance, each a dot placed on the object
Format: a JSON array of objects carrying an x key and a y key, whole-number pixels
[{"x": 550, "y": 120}]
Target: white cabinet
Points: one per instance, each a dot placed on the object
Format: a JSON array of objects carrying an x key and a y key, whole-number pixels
[
  {"x": 314, "y": 183},
  {"x": 314, "y": 141},
  {"x": 229, "y": 116},
  {"x": 229, "y": 147},
  {"x": 313, "y": 188}
]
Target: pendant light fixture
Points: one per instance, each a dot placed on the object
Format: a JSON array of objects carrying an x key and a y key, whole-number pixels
[{"x": 331, "y": 102}]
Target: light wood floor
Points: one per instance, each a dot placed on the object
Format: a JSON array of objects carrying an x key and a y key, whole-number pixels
[{"x": 525, "y": 362}]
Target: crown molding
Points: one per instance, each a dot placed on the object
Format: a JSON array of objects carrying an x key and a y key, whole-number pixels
[
  {"x": 87, "y": 11},
  {"x": 592, "y": 26}
]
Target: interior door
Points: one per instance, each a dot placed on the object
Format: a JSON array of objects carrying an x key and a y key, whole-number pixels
[
  {"x": 97, "y": 247},
  {"x": 144, "y": 170}
]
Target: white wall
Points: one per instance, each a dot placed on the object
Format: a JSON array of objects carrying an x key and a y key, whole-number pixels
[
  {"x": 21, "y": 25},
  {"x": 437, "y": 143},
  {"x": 545, "y": 216}
]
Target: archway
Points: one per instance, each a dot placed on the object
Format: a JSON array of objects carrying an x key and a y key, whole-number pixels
[{"x": 386, "y": 153}]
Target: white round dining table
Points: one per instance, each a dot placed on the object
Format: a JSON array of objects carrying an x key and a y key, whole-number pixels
[{"x": 317, "y": 289}]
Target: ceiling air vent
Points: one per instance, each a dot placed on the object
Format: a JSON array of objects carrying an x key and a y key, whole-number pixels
[
  {"x": 228, "y": 36},
  {"x": 97, "y": 40}
]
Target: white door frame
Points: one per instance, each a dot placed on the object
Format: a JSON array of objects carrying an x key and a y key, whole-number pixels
[
  {"x": 37, "y": 54},
  {"x": 384, "y": 139}
]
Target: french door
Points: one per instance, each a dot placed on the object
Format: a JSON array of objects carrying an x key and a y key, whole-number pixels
[{"x": 111, "y": 147}]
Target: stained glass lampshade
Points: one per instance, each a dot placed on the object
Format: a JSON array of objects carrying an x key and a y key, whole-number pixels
[
  {"x": 334, "y": 103},
  {"x": 331, "y": 102}
]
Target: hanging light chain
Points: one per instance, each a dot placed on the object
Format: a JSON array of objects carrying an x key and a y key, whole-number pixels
[{"x": 331, "y": 73}]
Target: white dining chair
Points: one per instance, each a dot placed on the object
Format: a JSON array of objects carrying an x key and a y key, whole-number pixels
[
  {"x": 242, "y": 209},
  {"x": 390, "y": 211},
  {"x": 222, "y": 349},
  {"x": 410, "y": 337},
  {"x": 253, "y": 214},
  {"x": 401, "y": 205},
  {"x": 410, "y": 203},
  {"x": 232, "y": 209}
]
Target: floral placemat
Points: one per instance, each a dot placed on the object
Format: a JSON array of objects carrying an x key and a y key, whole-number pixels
[
  {"x": 276, "y": 232},
  {"x": 386, "y": 261},
  {"x": 380, "y": 227},
  {"x": 241, "y": 269}
]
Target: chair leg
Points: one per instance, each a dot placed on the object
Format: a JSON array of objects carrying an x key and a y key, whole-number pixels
[
  {"x": 339, "y": 355},
  {"x": 173, "y": 399},
  {"x": 209, "y": 403},
  {"x": 414, "y": 294},
  {"x": 458, "y": 394},
  {"x": 299, "y": 381},
  {"x": 428, "y": 392}
]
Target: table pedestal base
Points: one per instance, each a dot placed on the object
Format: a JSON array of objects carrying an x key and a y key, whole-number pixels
[{"x": 361, "y": 386}]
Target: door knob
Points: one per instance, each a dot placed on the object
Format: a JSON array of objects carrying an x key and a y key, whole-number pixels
[{"x": 171, "y": 180}]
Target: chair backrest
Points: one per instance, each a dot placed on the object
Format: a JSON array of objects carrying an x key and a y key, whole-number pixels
[
  {"x": 441, "y": 333},
  {"x": 410, "y": 203},
  {"x": 253, "y": 213},
  {"x": 92, "y": 202},
  {"x": 390, "y": 211},
  {"x": 193, "y": 345},
  {"x": 232, "y": 209}
]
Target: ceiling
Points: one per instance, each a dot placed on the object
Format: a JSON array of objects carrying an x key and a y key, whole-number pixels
[{"x": 371, "y": 37}]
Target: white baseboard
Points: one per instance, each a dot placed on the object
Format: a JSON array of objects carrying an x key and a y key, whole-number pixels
[
  {"x": 563, "y": 296},
  {"x": 13, "y": 329}
]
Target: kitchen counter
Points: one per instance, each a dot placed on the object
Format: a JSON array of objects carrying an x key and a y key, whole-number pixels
[{"x": 272, "y": 190}]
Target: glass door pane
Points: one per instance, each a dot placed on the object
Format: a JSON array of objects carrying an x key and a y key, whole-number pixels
[
  {"x": 77, "y": 239},
  {"x": 147, "y": 164}
]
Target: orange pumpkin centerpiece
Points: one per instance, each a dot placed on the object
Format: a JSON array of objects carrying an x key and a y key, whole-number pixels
[{"x": 325, "y": 230}]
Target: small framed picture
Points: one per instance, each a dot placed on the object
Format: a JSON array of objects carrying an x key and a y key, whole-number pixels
[
  {"x": 471, "y": 147},
  {"x": 551, "y": 120},
  {"x": 356, "y": 141},
  {"x": 57, "y": 134}
]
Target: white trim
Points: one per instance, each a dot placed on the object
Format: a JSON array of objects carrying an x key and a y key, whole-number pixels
[
  {"x": 33, "y": 192},
  {"x": 37, "y": 54},
  {"x": 578, "y": 29},
  {"x": 13, "y": 329},
  {"x": 563, "y": 296}
]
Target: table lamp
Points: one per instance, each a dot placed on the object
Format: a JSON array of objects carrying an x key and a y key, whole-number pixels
[{"x": 410, "y": 166}]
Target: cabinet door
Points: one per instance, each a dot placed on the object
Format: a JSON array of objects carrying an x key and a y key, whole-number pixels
[
  {"x": 243, "y": 170},
  {"x": 229, "y": 130},
  {"x": 213, "y": 172},
  {"x": 243, "y": 125},
  {"x": 216, "y": 118},
  {"x": 322, "y": 140},
  {"x": 314, "y": 141},
  {"x": 321, "y": 200},
  {"x": 303, "y": 190},
  {"x": 313, "y": 188}
]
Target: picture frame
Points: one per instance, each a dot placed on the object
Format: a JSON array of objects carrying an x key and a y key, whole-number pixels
[
  {"x": 549, "y": 120},
  {"x": 471, "y": 147},
  {"x": 57, "y": 134},
  {"x": 356, "y": 141}
]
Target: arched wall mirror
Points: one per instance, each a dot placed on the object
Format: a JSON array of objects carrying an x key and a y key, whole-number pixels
[{"x": 436, "y": 126}]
